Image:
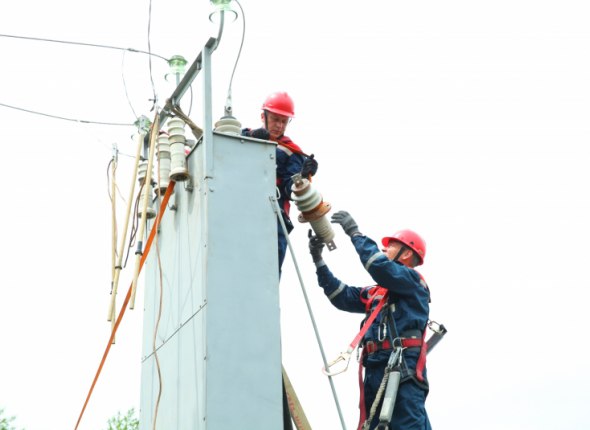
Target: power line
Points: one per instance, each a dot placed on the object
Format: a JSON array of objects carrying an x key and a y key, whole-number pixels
[
  {"x": 83, "y": 121},
  {"x": 39, "y": 39}
]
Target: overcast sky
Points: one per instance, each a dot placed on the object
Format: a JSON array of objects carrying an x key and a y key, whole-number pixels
[{"x": 465, "y": 121}]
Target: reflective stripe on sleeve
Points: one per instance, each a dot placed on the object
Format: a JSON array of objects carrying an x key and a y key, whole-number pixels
[
  {"x": 337, "y": 291},
  {"x": 285, "y": 149},
  {"x": 373, "y": 258}
]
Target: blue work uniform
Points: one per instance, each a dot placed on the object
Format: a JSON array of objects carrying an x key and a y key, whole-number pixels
[
  {"x": 409, "y": 293},
  {"x": 290, "y": 160}
]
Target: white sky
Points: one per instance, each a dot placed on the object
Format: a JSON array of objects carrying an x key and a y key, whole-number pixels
[{"x": 466, "y": 121}]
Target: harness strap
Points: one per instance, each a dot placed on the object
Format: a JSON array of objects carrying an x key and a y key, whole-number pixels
[
  {"x": 368, "y": 322},
  {"x": 421, "y": 363},
  {"x": 363, "y": 411},
  {"x": 371, "y": 347}
]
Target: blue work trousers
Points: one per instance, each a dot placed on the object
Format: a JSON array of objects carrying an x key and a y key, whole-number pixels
[{"x": 409, "y": 412}]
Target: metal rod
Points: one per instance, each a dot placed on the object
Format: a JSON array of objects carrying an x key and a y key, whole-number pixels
[{"x": 277, "y": 210}]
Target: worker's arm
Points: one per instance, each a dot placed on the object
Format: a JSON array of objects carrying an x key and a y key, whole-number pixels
[{"x": 342, "y": 296}]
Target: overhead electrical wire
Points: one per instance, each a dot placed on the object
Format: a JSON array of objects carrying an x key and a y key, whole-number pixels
[
  {"x": 39, "y": 39},
  {"x": 83, "y": 121},
  {"x": 94, "y": 45}
]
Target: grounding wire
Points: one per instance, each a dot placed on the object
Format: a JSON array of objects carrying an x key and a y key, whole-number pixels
[
  {"x": 39, "y": 39},
  {"x": 277, "y": 210}
]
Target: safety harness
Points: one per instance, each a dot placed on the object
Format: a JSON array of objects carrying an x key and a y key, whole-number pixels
[
  {"x": 409, "y": 339},
  {"x": 396, "y": 368}
]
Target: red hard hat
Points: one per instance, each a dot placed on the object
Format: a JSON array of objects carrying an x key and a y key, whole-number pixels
[
  {"x": 411, "y": 239},
  {"x": 280, "y": 103}
]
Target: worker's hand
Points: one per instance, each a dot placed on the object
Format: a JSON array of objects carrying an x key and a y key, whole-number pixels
[
  {"x": 310, "y": 167},
  {"x": 316, "y": 246},
  {"x": 347, "y": 222},
  {"x": 260, "y": 133}
]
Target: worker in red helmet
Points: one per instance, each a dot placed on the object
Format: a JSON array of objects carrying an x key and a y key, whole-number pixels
[
  {"x": 277, "y": 111},
  {"x": 397, "y": 315}
]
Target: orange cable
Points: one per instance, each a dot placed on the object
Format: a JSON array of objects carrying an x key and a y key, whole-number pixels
[{"x": 148, "y": 244}]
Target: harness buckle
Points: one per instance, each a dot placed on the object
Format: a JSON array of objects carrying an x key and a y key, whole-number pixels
[
  {"x": 436, "y": 327},
  {"x": 382, "y": 332}
]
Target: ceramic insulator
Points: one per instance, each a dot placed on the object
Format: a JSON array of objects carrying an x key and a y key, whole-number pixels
[
  {"x": 150, "y": 212},
  {"x": 178, "y": 166},
  {"x": 229, "y": 125},
  {"x": 313, "y": 209},
  {"x": 164, "y": 163}
]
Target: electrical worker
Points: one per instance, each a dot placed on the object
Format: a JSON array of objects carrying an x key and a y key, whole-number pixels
[
  {"x": 277, "y": 111},
  {"x": 403, "y": 324}
]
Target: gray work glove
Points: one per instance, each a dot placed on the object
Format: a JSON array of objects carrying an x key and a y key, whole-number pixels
[
  {"x": 347, "y": 222},
  {"x": 316, "y": 246}
]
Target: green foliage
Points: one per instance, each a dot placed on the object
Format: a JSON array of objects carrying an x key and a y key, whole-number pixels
[
  {"x": 6, "y": 422},
  {"x": 120, "y": 422}
]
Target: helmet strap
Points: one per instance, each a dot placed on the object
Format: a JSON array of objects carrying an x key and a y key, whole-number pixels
[{"x": 402, "y": 249}]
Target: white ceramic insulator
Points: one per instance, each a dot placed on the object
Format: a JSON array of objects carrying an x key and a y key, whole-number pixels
[
  {"x": 175, "y": 129},
  {"x": 309, "y": 200},
  {"x": 163, "y": 147},
  {"x": 229, "y": 125},
  {"x": 150, "y": 212},
  {"x": 164, "y": 173},
  {"x": 164, "y": 162},
  {"x": 142, "y": 171},
  {"x": 178, "y": 168},
  {"x": 323, "y": 229}
]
